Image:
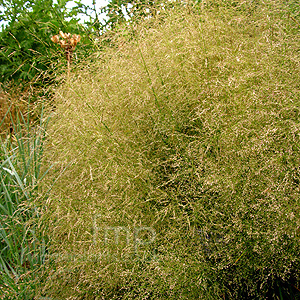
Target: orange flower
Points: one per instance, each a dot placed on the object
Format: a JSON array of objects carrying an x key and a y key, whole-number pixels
[
  {"x": 76, "y": 37},
  {"x": 67, "y": 42},
  {"x": 63, "y": 44},
  {"x": 63, "y": 35},
  {"x": 73, "y": 42},
  {"x": 55, "y": 39}
]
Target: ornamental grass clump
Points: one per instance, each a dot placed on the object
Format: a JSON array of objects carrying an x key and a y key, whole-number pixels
[
  {"x": 176, "y": 161},
  {"x": 23, "y": 249}
]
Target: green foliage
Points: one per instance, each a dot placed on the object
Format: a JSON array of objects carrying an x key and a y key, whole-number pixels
[
  {"x": 118, "y": 11},
  {"x": 22, "y": 247},
  {"x": 192, "y": 130},
  {"x": 26, "y": 51}
]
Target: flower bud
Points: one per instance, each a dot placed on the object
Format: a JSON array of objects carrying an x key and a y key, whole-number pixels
[
  {"x": 63, "y": 43},
  {"x": 76, "y": 37},
  {"x": 63, "y": 35},
  {"x": 72, "y": 42},
  {"x": 55, "y": 39}
]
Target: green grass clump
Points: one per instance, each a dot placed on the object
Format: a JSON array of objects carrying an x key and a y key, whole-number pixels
[
  {"x": 22, "y": 247},
  {"x": 191, "y": 129}
]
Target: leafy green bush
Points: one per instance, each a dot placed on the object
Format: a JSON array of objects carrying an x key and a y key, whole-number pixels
[
  {"x": 27, "y": 54},
  {"x": 191, "y": 132}
]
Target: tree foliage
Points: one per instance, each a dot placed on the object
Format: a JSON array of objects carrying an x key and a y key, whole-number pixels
[
  {"x": 118, "y": 11},
  {"x": 26, "y": 52}
]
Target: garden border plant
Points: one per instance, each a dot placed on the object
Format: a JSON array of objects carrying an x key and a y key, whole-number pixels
[
  {"x": 23, "y": 248},
  {"x": 189, "y": 135}
]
